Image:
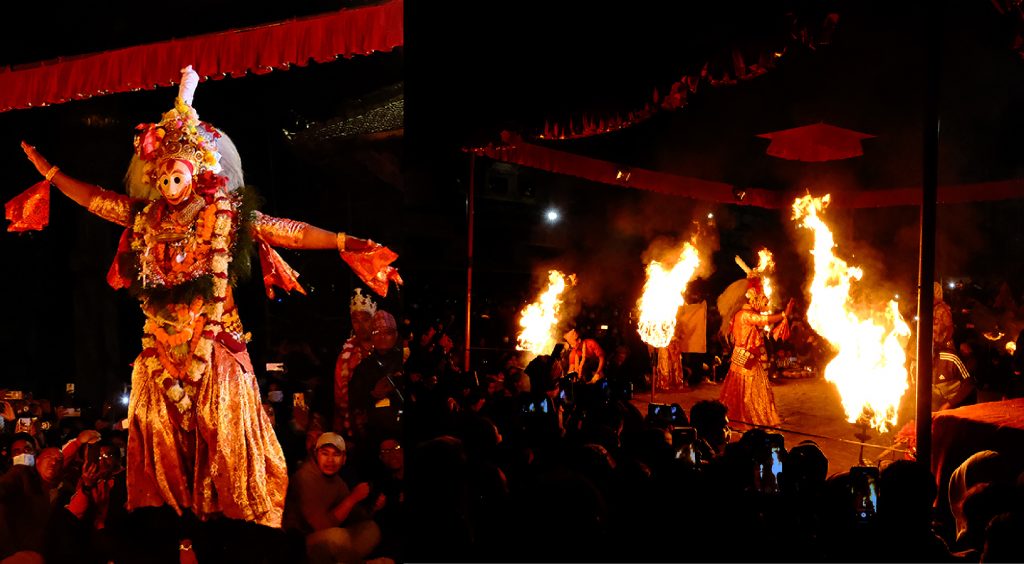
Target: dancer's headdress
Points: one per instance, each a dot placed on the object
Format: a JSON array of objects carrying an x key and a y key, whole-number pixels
[
  {"x": 755, "y": 276},
  {"x": 741, "y": 291},
  {"x": 180, "y": 135}
]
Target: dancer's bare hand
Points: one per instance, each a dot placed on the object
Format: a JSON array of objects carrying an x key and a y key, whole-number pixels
[
  {"x": 42, "y": 165},
  {"x": 789, "y": 307},
  {"x": 355, "y": 244}
]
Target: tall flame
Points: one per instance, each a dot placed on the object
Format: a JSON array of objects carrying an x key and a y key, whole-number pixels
[
  {"x": 539, "y": 320},
  {"x": 663, "y": 295},
  {"x": 765, "y": 264},
  {"x": 869, "y": 370}
]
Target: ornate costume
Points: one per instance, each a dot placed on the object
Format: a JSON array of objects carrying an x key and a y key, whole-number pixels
[
  {"x": 198, "y": 435},
  {"x": 746, "y": 390}
]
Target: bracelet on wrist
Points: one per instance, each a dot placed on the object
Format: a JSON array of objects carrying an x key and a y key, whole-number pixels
[
  {"x": 341, "y": 242},
  {"x": 52, "y": 172}
]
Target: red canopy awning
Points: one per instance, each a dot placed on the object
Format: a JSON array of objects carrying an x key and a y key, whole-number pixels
[
  {"x": 516, "y": 151},
  {"x": 324, "y": 38}
]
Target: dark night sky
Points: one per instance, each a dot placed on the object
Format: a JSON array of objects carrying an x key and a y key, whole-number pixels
[{"x": 471, "y": 71}]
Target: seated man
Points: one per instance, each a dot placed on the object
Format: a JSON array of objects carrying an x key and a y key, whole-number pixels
[
  {"x": 952, "y": 385},
  {"x": 320, "y": 505}
]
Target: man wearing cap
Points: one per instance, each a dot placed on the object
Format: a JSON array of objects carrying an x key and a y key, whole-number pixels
[{"x": 321, "y": 506}]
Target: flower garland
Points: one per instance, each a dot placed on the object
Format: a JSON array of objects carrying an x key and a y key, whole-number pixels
[{"x": 198, "y": 323}]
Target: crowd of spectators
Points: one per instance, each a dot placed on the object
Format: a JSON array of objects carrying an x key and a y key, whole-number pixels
[{"x": 508, "y": 462}]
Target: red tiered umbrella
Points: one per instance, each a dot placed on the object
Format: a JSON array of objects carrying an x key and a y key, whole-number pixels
[{"x": 815, "y": 143}]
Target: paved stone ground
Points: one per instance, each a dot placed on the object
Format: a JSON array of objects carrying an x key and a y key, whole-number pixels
[{"x": 808, "y": 406}]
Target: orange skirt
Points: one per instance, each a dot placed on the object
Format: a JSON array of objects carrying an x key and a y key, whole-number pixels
[
  {"x": 748, "y": 395},
  {"x": 230, "y": 462}
]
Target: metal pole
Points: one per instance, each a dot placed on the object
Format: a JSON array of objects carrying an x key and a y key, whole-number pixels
[
  {"x": 926, "y": 272},
  {"x": 654, "y": 373},
  {"x": 469, "y": 255}
]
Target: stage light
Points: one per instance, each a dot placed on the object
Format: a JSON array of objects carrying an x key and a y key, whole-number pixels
[
  {"x": 952, "y": 285},
  {"x": 897, "y": 297},
  {"x": 711, "y": 216},
  {"x": 552, "y": 215},
  {"x": 604, "y": 327},
  {"x": 124, "y": 399}
]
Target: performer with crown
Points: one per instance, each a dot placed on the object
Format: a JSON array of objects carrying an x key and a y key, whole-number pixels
[
  {"x": 744, "y": 306},
  {"x": 355, "y": 349},
  {"x": 198, "y": 437}
]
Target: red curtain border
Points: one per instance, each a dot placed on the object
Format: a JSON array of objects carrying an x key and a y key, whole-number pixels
[
  {"x": 261, "y": 49},
  {"x": 516, "y": 151}
]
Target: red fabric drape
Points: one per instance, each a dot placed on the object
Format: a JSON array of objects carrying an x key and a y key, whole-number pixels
[
  {"x": 516, "y": 151},
  {"x": 535, "y": 156},
  {"x": 323, "y": 38}
]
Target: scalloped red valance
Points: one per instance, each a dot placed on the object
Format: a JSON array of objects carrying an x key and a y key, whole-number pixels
[{"x": 259, "y": 50}]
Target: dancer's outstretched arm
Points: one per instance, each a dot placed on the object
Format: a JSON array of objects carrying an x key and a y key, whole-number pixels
[
  {"x": 291, "y": 234},
  {"x": 105, "y": 203}
]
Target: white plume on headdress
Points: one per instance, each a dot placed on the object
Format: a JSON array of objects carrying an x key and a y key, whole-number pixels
[{"x": 187, "y": 88}]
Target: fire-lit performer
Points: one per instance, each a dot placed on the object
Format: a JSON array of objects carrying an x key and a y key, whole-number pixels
[
  {"x": 199, "y": 439},
  {"x": 746, "y": 390},
  {"x": 586, "y": 357}
]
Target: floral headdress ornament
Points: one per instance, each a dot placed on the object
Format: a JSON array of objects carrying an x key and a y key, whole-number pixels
[{"x": 181, "y": 136}]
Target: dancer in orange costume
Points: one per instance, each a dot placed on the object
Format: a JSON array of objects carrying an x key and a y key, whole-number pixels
[{"x": 199, "y": 439}]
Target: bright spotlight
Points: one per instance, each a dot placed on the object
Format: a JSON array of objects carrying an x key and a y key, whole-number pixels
[
  {"x": 552, "y": 215},
  {"x": 951, "y": 285},
  {"x": 711, "y": 216},
  {"x": 124, "y": 399}
]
